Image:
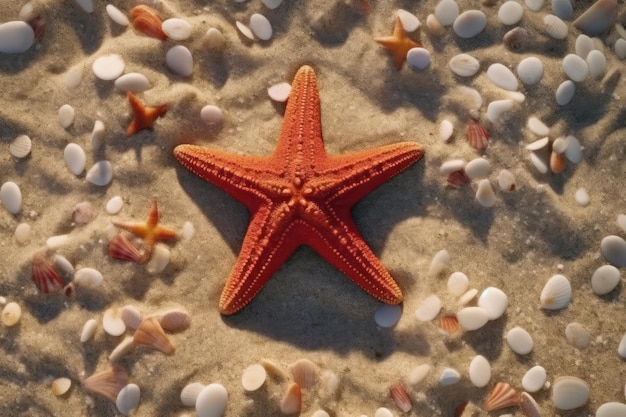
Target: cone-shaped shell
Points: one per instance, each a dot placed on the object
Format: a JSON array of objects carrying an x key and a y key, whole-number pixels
[
  {"x": 291, "y": 402},
  {"x": 401, "y": 397},
  {"x": 107, "y": 383},
  {"x": 502, "y": 396},
  {"x": 151, "y": 334},
  {"x": 123, "y": 249},
  {"x": 146, "y": 21},
  {"x": 45, "y": 277}
]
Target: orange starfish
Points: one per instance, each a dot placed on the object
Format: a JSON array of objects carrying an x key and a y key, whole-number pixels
[
  {"x": 301, "y": 195},
  {"x": 150, "y": 231},
  {"x": 143, "y": 117},
  {"x": 398, "y": 43}
]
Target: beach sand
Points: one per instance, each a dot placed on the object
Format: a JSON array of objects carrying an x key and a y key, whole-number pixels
[{"x": 308, "y": 309}]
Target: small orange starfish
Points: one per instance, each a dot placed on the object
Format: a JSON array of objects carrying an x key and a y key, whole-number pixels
[
  {"x": 398, "y": 43},
  {"x": 150, "y": 231},
  {"x": 143, "y": 117}
]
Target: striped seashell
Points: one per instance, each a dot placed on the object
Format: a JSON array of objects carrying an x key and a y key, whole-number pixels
[
  {"x": 146, "y": 21},
  {"x": 150, "y": 334},
  {"x": 291, "y": 403},
  {"x": 557, "y": 293},
  {"x": 502, "y": 396},
  {"x": 45, "y": 277},
  {"x": 458, "y": 178},
  {"x": 174, "y": 320},
  {"x": 401, "y": 397},
  {"x": 449, "y": 324},
  {"x": 304, "y": 373},
  {"x": 529, "y": 406},
  {"x": 123, "y": 249},
  {"x": 477, "y": 135},
  {"x": 190, "y": 393},
  {"x": 107, "y": 383},
  {"x": 131, "y": 316}
]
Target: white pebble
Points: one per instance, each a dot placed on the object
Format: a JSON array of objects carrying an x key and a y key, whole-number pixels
[
  {"x": 534, "y": 5},
  {"x": 86, "y": 5},
  {"x": 605, "y": 279},
  {"x": 569, "y": 393},
  {"x": 506, "y": 180},
  {"x": 16, "y": 37},
  {"x": 272, "y": 4},
  {"x": 188, "y": 230},
  {"x": 468, "y": 296},
  {"x": 101, "y": 173},
  {"x": 128, "y": 399},
  {"x": 582, "y": 197},
  {"x": 73, "y": 77},
  {"x": 477, "y": 168},
  {"x": 114, "y": 205},
  {"x": 484, "y": 194},
  {"x": 439, "y": 262},
  {"x": 117, "y": 15},
  {"x": 577, "y": 335},
  {"x": 469, "y": 23},
  {"x": 497, "y": 108},
  {"x": 55, "y": 242},
  {"x": 387, "y": 315},
  {"x": 419, "y": 373},
  {"x": 613, "y": 248},
  {"x": 565, "y": 92},
  {"x": 502, "y": 77},
  {"x": 211, "y": 114},
  {"x": 620, "y": 48},
  {"x": 22, "y": 233},
  {"x": 510, "y": 12},
  {"x": 457, "y": 283},
  {"x": 108, "y": 67},
  {"x": 11, "y": 314},
  {"x": 464, "y": 65},
  {"x": 161, "y": 257},
  {"x": 584, "y": 45},
  {"x": 418, "y": 58},
  {"x": 88, "y": 277},
  {"x": 112, "y": 322},
  {"x": 410, "y": 22},
  {"x": 179, "y": 60},
  {"x": 176, "y": 29},
  {"x": 479, "y": 371},
  {"x": 621, "y": 221},
  {"x": 530, "y": 70},
  {"x": 537, "y": 126},
  {"x": 89, "y": 329},
  {"x": 562, "y": 9},
  {"x": 534, "y": 379},
  {"x": 451, "y": 166},
  {"x": 383, "y": 412},
  {"x": 75, "y": 158},
  {"x": 211, "y": 401},
  {"x": 495, "y": 301},
  {"x": 261, "y": 27},
  {"x": 428, "y": 308},
  {"x": 519, "y": 341},
  {"x": 20, "y": 146},
  {"x": 133, "y": 82},
  {"x": 446, "y": 12},
  {"x": 11, "y": 197},
  {"x": 97, "y": 134},
  {"x": 575, "y": 67},
  {"x": 66, "y": 115},
  {"x": 214, "y": 39},
  {"x": 244, "y": 30},
  {"x": 279, "y": 92},
  {"x": 611, "y": 409},
  {"x": 449, "y": 376},
  {"x": 555, "y": 27},
  {"x": 573, "y": 150},
  {"x": 445, "y": 130},
  {"x": 253, "y": 377},
  {"x": 596, "y": 61},
  {"x": 472, "y": 318}
]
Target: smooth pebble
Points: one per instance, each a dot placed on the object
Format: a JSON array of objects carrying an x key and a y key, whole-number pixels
[
  {"x": 418, "y": 58},
  {"x": 419, "y": 373},
  {"x": 11, "y": 314},
  {"x": 211, "y": 401},
  {"x": 614, "y": 250},
  {"x": 439, "y": 262},
  {"x": 244, "y": 30},
  {"x": 573, "y": 150},
  {"x": 446, "y": 12},
  {"x": 472, "y": 318},
  {"x": 89, "y": 329},
  {"x": 530, "y": 70},
  {"x": 510, "y": 12},
  {"x": 534, "y": 379},
  {"x": 468, "y": 296},
  {"x": 605, "y": 279},
  {"x": 108, "y": 67},
  {"x": 117, "y": 15},
  {"x": 410, "y": 22},
  {"x": 22, "y": 233},
  {"x": 66, "y": 115},
  {"x": 176, "y": 29},
  {"x": 261, "y": 27},
  {"x": 538, "y": 162},
  {"x": 73, "y": 77},
  {"x": 114, "y": 205},
  {"x": 88, "y": 277},
  {"x": 11, "y": 197},
  {"x": 179, "y": 60},
  {"x": 495, "y": 301},
  {"x": 497, "y": 108},
  {"x": 484, "y": 193},
  {"x": 128, "y": 399},
  {"x": 584, "y": 45},
  {"x": 21, "y": 146},
  {"x": 271, "y": 4},
  {"x": 538, "y": 127},
  {"x": 534, "y": 5},
  {"x": 469, "y": 23},
  {"x": 565, "y": 92},
  {"x": 16, "y": 37},
  {"x": 477, "y": 168},
  {"x": 451, "y": 166},
  {"x": 506, "y": 180},
  {"x": 575, "y": 67},
  {"x": 555, "y": 27},
  {"x": 97, "y": 134},
  {"x": 101, "y": 173},
  {"x": 611, "y": 409},
  {"x": 569, "y": 393},
  {"x": 75, "y": 158},
  {"x": 211, "y": 114},
  {"x": 621, "y": 349},
  {"x": 428, "y": 308},
  {"x": 620, "y": 48},
  {"x": 596, "y": 61},
  {"x": 479, "y": 371},
  {"x": 502, "y": 77},
  {"x": 582, "y": 197},
  {"x": 457, "y": 283},
  {"x": 563, "y": 9},
  {"x": 464, "y": 65},
  {"x": 57, "y": 241},
  {"x": 215, "y": 39},
  {"x": 577, "y": 335},
  {"x": 133, "y": 82},
  {"x": 86, "y": 5},
  {"x": 446, "y": 128},
  {"x": 279, "y": 92},
  {"x": 253, "y": 377},
  {"x": 519, "y": 341},
  {"x": 387, "y": 315}
]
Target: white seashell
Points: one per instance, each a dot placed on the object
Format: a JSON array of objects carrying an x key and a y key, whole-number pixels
[
  {"x": 495, "y": 301},
  {"x": 605, "y": 279},
  {"x": 467, "y": 297},
  {"x": 190, "y": 393},
  {"x": 506, "y": 180},
  {"x": 621, "y": 349},
  {"x": 556, "y": 294},
  {"x": 244, "y": 30},
  {"x": 387, "y": 315},
  {"x": 108, "y": 67},
  {"x": 484, "y": 194},
  {"x": 20, "y": 146},
  {"x": 179, "y": 60},
  {"x": 161, "y": 257},
  {"x": 131, "y": 316},
  {"x": 445, "y": 130},
  {"x": 22, "y": 233},
  {"x": 449, "y": 376},
  {"x": 510, "y": 12},
  {"x": 55, "y": 242},
  {"x": 304, "y": 373},
  {"x": 73, "y": 77},
  {"x": 176, "y": 29},
  {"x": 211, "y": 114},
  {"x": 410, "y": 22},
  {"x": 320, "y": 413},
  {"x": 480, "y": 371},
  {"x": 502, "y": 77},
  {"x": 75, "y": 158},
  {"x": 11, "y": 314},
  {"x": 253, "y": 377},
  {"x": 555, "y": 27},
  {"x": 577, "y": 335},
  {"x": 446, "y": 12},
  {"x": 128, "y": 399},
  {"x": 530, "y": 70},
  {"x": 534, "y": 379},
  {"x": 66, "y": 115},
  {"x": 582, "y": 197},
  {"x": 563, "y": 9},
  {"x": 538, "y": 128},
  {"x": 519, "y": 341},
  {"x": 477, "y": 168},
  {"x": 89, "y": 329},
  {"x": 620, "y": 48},
  {"x": 469, "y": 23},
  {"x": 428, "y": 308},
  {"x": 596, "y": 61},
  {"x": 534, "y": 5},
  {"x": 117, "y": 15},
  {"x": 457, "y": 283},
  {"x": 16, "y": 37},
  {"x": 133, "y": 82},
  {"x": 573, "y": 150},
  {"x": 597, "y": 18},
  {"x": 211, "y": 401},
  {"x": 497, "y": 108},
  {"x": 451, "y": 166},
  {"x": 472, "y": 318},
  {"x": 569, "y": 393},
  {"x": 101, "y": 173},
  {"x": 439, "y": 262},
  {"x": 279, "y": 92},
  {"x": 88, "y": 277},
  {"x": 86, "y": 5},
  {"x": 419, "y": 373},
  {"x": 112, "y": 322},
  {"x": 565, "y": 92},
  {"x": 271, "y": 4},
  {"x": 434, "y": 26},
  {"x": 11, "y": 197},
  {"x": 614, "y": 250},
  {"x": 418, "y": 58},
  {"x": 114, "y": 205},
  {"x": 584, "y": 45},
  {"x": 215, "y": 40},
  {"x": 61, "y": 386},
  {"x": 122, "y": 349},
  {"x": 611, "y": 409},
  {"x": 261, "y": 27},
  {"x": 575, "y": 67}
]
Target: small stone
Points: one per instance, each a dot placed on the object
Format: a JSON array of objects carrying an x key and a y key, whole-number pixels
[
  {"x": 101, "y": 173},
  {"x": 133, "y": 82},
  {"x": 577, "y": 335},
  {"x": 614, "y": 250},
  {"x": 16, "y": 37},
  {"x": 519, "y": 341},
  {"x": 215, "y": 40},
  {"x": 506, "y": 180},
  {"x": 176, "y": 29},
  {"x": 244, "y": 30},
  {"x": 469, "y": 23},
  {"x": 279, "y": 92},
  {"x": 117, "y": 15},
  {"x": 419, "y": 373},
  {"x": 22, "y": 233},
  {"x": 66, "y": 115},
  {"x": 477, "y": 168},
  {"x": 495, "y": 301},
  {"x": 562, "y": 9},
  {"x": 261, "y": 27},
  {"x": 86, "y": 5},
  {"x": 605, "y": 279},
  {"x": 464, "y": 65},
  {"x": 510, "y": 12},
  {"x": 537, "y": 126},
  {"x": 565, "y": 92},
  {"x": 502, "y": 77},
  {"x": 472, "y": 318},
  {"x": 11, "y": 197},
  {"x": 534, "y": 379},
  {"x": 449, "y": 376},
  {"x": 446, "y": 12},
  {"x": 108, "y": 67},
  {"x": 479, "y": 371},
  {"x": 11, "y": 314},
  {"x": 418, "y": 58},
  {"x": 428, "y": 308},
  {"x": 179, "y": 60},
  {"x": 114, "y": 205},
  {"x": 484, "y": 194},
  {"x": 457, "y": 283},
  {"x": 620, "y": 48},
  {"x": 211, "y": 114},
  {"x": 569, "y": 393},
  {"x": 387, "y": 315},
  {"x": 75, "y": 158},
  {"x": 410, "y": 22},
  {"x": 575, "y": 67},
  {"x": 596, "y": 61},
  {"x": 446, "y": 129},
  {"x": 530, "y": 70},
  {"x": 582, "y": 197}
]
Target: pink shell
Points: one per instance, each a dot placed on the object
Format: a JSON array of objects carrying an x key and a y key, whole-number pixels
[
  {"x": 401, "y": 397},
  {"x": 123, "y": 249},
  {"x": 45, "y": 277},
  {"x": 477, "y": 136},
  {"x": 502, "y": 396}
]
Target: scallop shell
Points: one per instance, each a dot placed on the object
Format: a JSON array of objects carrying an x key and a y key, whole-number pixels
[
  {"x": 124, "y": 347},
  {"x": 11, "y": 314},
  {"x": 112, "y": 322},
  {"x": 128, "y": 399},
  {"x": 190, "y": 393},
  {"x": 556, "y": 294},
  {"x": 107, "y": 383},
  {"x": 458, "y": 178},
  {"x": 146, "y": 21},
  {"x": 20, "y": 147},
  {"x": 477, "y": 135},
  {"x": 131, "y": 316},
  {"x": 464, "y": 65},
  {"x": 400, "y": 397},
  {"x": 123, "y": 249},
  {"x": 304, "y": 373},
  {"x": 291, "y": 403},
  {"x": 449, "y": 324},
  {"x": 502, "y": 396},
  {"x": 61, "y": 386},
  {"x": 45, "y": 277},
  {"x": 150, "y": 334},
  {"x": 174, "y": 320}
]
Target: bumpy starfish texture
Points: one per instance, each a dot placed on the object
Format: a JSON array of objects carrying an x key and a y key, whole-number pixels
[
  {"x": 143, "y": 117},
  {"x": 398, "y": 43},
  {"x": 301, "y": 195},
  {"x": 150, "y": 231}
]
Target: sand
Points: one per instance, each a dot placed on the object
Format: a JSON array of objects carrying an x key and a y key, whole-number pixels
[{"x": 309, "y": 309}]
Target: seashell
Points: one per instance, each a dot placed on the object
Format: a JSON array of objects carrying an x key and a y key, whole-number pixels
[
  {"x": 510, "y": 12},
  {"x": 472, "y": 318},
  {"x": 88, "y": 277},
  {"x": 468, "y": 296},
  {"x": 502, "y": 396},
  {"x": 190, "y": 393},
  {"x": 304, "y": 373},
  {"x": 434, "y": 26},
  {"x": 123, "y": 348},
  {"x": 484, "y": 194},
  {"x": 253, "y": 377},
  {"x": 534, "y": 379},
  {"x": 555, "y": 27},
  {"x": 89, "y": 329},
  {"x": 556, "y": 294},
  {"x": 597, "y": 18},
  {"x": 449, "y": 324},
  {"x": 605, "y": 279},
  {"x": 273, "y": 369},
  {"x": 557, "y": 162},
  {"x": 577, "y": 335},
  {"x": 107, "y": 383},
  {"x": 410, "y": 22},
  {"x": 159, "y": 259},
  {"x": 419, "y": 373},
  {"x": 69, "y": 290},
  {"x": 112, "y": 322},
  {"x": 146, "y": 21},
  {"x": 150, "y": 334},
  {"x": 528, "y": 405},
  {"x": 569, "y": 393},
  {"x": 11, "y": 314},
  {"x": 45, "y": 277},
  {"x": 506, "y": 180},
  {"x": 538, "y": 162},
  {"x": 516, "y": 39},
  {"x": 477, "y": 136},
  {"x": 20, "y": 146},
  {"x": 538, "y": 127},
  {"x": 22, "y": 233},
  {"x": 400, "y": 397},
  {"x": 131, "y": 316},
  {"x": 244, "y": 30},
  {"x": 291, "y": 403},
  {"x": 464, "y": 65},
  {"x": 495, "y": 301},
  {"x": 451, "y": 165},
  {"x": 123, "y": 249},
  {"x": 611, "y": 409},
  {"x": 101, "y": 173},
  {"x": 457, "y": 283},
  {"x": 449, "y": 376},
  {"x": 480, "y": 371},
  {"x": 519, "y": 341},
  {"x": 11, "y": 197},
  {"x": 38, "y": 24},
  {"x": 387, "y": 315},
  {"x": 458, "y": 178},
  {"x": 174, "y": 320},
  {"x": 446, "y": 128},
  {"x": 428, "y": 308},
  {"x": 61, "y": 386},
  {"x": 211, "y": 401},
  {"x": 128, "y": 399},
  {"x": 497, "y": 108}
]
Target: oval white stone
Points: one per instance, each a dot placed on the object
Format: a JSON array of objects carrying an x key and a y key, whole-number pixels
[
  {"x": 446, "y": 12},
  {"x": 519, "y": 341},
  {"x": 469, "y": 23},
  {"x": 387, "y": 315},
  {"x": 596, "y": 61},
  {"x": 497, "y": 108},
  {"x": 211, "y": 401},
  {"x": 577, "y": 335},
  {"x": 253, "y": 377},
  {"x": 261, "y": 27},
  {"x": 502, "y": 77},
  {"x": 477, "y": 168},
  {"x": 16, "y": 37},
  {"x": 620, "y": 48},
  {"x": 573, "y": 150},
  {"x": 211, "y": 114},
  {"x": 506, "y": 180},
  {"x": 418, "y": 58},
  {"x": 108, "y": 67},
  {"x": 11, "y": 197},
  {"x": 176, "y": 29},
  {"x": 89, "y": 329},
  {"x": 66, "y": 115},
  {"x": 133, "y": 82},
  {"x": 114, "y": 205},
  {"x": 575, "y": 67},
  {"x": 457, "y": 283},
  {"x": 605, "y": 279},
  {"x": 534, "y": 379},
  {"x": 538, "y": 127},
  {"x": 530, "y": 70},
  {"x": 539, "y": 163},
  {"x": 410, "y": 22},
  {"x": 479, "y": 371},
  {"x": 472, "y": 318},
  {"x": 582, "y": 197},
  {"x": 272, "y": 4},
  {"x": 88, "y": 277},
  {"x": 215, "y": 39},
  {"x": 117, "y": 15},
  {"x": 534, "y": 5},
  {"x": 179, "y": 60},
  {"x": 279, "y": 92},
  {"x": 451, "y": 166},
  {"x": 22, "y": 233},
  {"x": 569, "y": 393},
  {"x": 128, "y": 399},
  {"x": 565, "y": 92},
  {"x": 614, "y": 250},
  {"x": 612, "y": 409},
  {"x": 621, "y": 349},
  {"x": 464, "y": 65},
  {"x": 418, "y": 373},
  {"x": 484, "y": 193},
  {"x": 495, "y": 301},
  {"x": 75, "y": 158},
  {"x": 428, "y": 308},
  {"x": 510, "y": 12},
  {"x": 101, "y": 173},
  {"x": 446, "y": 128},
  {"x": 73, "y": 77},
  {"x": 55, "y": 242},
  {"x": 584, "y": 45}
]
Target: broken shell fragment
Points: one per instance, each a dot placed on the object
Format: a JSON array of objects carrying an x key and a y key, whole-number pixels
[
  {"x": 556, "y": 294},
  {"x": 107, "y": 383},
  {"x": 121, "y": 349},
  {"x": 150, "y": 334}
]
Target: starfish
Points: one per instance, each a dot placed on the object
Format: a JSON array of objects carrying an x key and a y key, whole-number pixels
[
  {"x": 143, "y": 117},
  {"x": 398, "y": 43},
  {"x": 301, "y": 195},
  {"x": 150, "y": 231}
]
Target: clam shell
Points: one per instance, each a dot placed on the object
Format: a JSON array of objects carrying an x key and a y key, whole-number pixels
[
  {"x": 11, "y": 314},
  {"x": 304, "y": 372},
  {"x": 174, "y": 320},
  {"x": 439, "y": 262},
  {"x": 506, "y": 180},
  {"x": 190, "y": 393},
  {"x": 131, "y": 316},
  {"x": 150, "y": 334},
  {"x": 128, "y": 399},
  {"x": 556, "y": 294},
  {"x": 211, "y": 401},
  {"x": 253, "y": 377},
  {"x": 502, "y": 396},
  {"x": 112, "y": 322},
  {"x": 107, "y": 383},
  {"x": 89, "y": 329},
  {"x": 61, "y": 386},
  {"x": 146, "y": 21},
  {"x": 569, "y": 393},
  {"x": 401, "y": 397},
  {"x": 538, "y": 144},
  {"x": 45, "y": 277},
  {"x": 291, "y": 403},
  {"x": 123, "y": 249},
  {"x": 529, "y": 406},
  {"x": 88, "y": 277}
]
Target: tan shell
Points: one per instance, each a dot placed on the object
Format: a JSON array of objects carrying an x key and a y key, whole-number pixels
[
  {"x": 61, "y": 386},
  {"x": 449, "y": 324},
  {"x": 291, "y": 402},
  {"x": 274, "y": 369},
  {"x": 151, "y": 334},
  {"x": 401, "y": 397},
  {"x": 107, "y": 383},
  {"x": 502, "y": 396},
  {"x": 304, "y": 373},
  {"x": 11, "y": 314}
]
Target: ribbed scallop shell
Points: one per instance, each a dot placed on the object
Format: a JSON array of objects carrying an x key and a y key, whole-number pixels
[
  {"x": 150, "y": 334},
  {"x": 449, "y": 324},
  {"x": 124, "y": 347},
  {"x": 45, "y": 277},
  {"x": 174, "y": 320},
  {"x": 146, "y": 21},
  {"x": 304, "y": 373},
  {"x": 502, "y": 396},
  {"x": 190, "y": 393},
  {"x": 458, "y": 178},
  {"x": 131, "y": 316},
  {"x": 477, "y": 135},
  {"x": 123, "y": 249},
  {"x": 107, "y": 383},
  {"x": 291, "y": 403},
  {"x": 556, "y": 294},
  {"x": 401, "y": 397}
]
